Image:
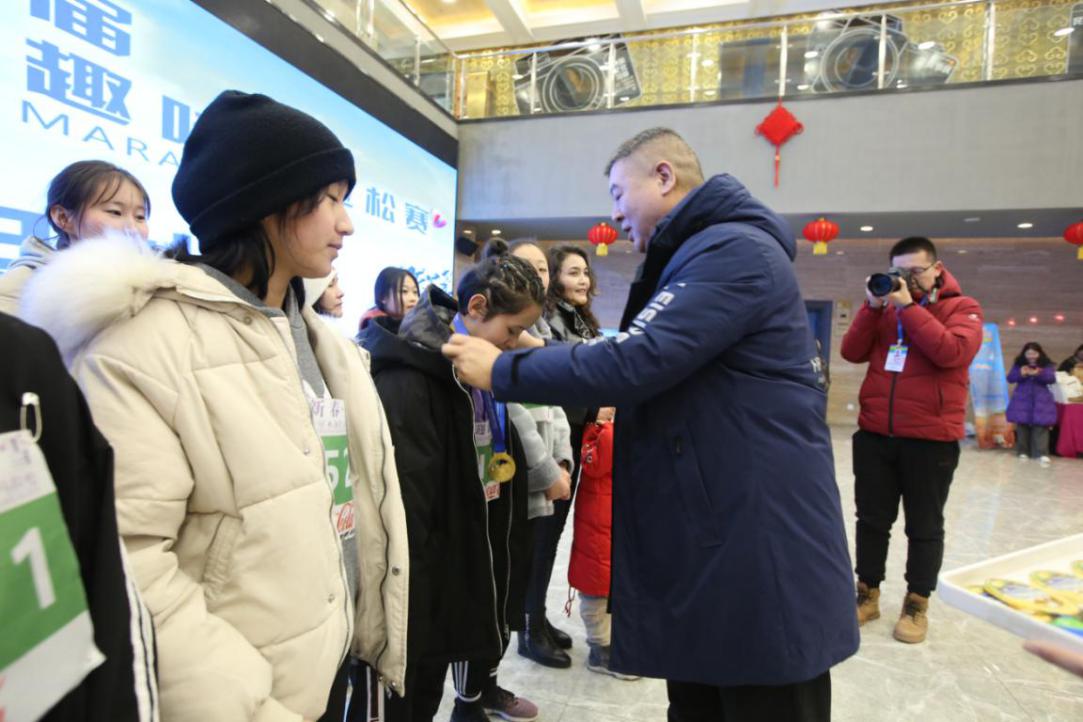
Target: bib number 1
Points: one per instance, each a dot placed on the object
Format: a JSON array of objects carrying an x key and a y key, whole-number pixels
[{"x": 47, "y": 646}]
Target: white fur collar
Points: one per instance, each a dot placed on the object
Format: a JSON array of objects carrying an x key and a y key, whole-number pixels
[{"x": 96, "y": 283}]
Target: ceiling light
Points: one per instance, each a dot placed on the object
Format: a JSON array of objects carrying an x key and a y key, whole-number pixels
[
  {"x": 1011, "y": 322},
  {"x": 1033, "y": 319},
  {"x": 494, "y": 232},
  {"x": 1025, "y": 225},
  {"x": 708, "y": 62},
  {"x": 866, "y": 229},
  {"x": 900, "y": 85},
  {"x": 1063, "y": 32},
  {"x": 962, "y": 251},
  {"x": 803, "y": 86},
  {"x": 1059, "y": 318},
  {"x": 710, "y": 92},
  {"x": 972, "y": 219},
  {"x": 623, "y": 98},
  {"x": 812, "y": 54},
  {"x": 927, "y": 45}
]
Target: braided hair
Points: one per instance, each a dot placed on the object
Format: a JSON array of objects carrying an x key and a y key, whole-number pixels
[{"x": 508, "y": 283}]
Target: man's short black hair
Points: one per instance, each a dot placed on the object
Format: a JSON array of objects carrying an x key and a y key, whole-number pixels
[{"x": 913, "y": 244}]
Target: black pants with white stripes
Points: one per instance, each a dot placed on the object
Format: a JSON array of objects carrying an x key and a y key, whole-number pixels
[{"x": 358, "y": 695}]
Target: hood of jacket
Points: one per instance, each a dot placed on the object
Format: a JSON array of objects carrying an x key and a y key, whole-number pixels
[
  {"x": 95, "y": 284},
  {"x": 721, "y": 199},
  {"x": 949, "y": 285},
  {"x": 718, "y": 202},
  {"x": 33, "y": 253},
  {"x": 420, "y": 335}
]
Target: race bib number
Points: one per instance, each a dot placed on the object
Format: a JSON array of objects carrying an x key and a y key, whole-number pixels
[
  {"x": 329, "y": 417},
  {"x": 47, "y": 645}
]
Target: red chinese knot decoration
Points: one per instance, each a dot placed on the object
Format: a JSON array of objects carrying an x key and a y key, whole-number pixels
[
  {"x": 820, "y": 232},
  {"x": 601, "y": 236},
  {"x": 778, "y": 127},
  {"x": 1074, "y": 235}
]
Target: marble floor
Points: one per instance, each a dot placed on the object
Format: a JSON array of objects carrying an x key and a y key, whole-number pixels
[{"x": 966, "y": 670}]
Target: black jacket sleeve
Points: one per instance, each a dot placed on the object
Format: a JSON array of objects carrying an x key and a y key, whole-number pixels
[{"x": 81, "y": 463}]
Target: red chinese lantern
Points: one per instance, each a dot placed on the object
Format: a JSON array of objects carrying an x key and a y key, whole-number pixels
[
  {"x": 601, "y": 236},
  {"x": 778, "y": 127},
  {"x": 821, "y": 232},
  {"x": 1074, "y": 235}
]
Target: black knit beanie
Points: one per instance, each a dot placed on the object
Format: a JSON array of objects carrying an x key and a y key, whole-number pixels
[{"x": 249, "y": 156}]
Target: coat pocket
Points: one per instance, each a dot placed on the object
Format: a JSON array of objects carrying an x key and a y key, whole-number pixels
[
  {"x": 216, "y": 573},
  {"x": 693, "y": 492}
]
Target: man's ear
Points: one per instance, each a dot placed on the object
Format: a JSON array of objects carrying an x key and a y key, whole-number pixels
[{"x": 667, "y": 176}]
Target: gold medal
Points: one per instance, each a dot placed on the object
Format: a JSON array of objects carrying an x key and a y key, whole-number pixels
[{"x": 502, "y": 467}]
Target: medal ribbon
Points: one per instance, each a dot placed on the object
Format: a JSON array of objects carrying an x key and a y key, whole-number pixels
[{"x": 496, "y": 412}]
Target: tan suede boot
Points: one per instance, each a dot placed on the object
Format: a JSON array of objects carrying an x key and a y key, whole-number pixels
[
  {"x": 868, "y": 603},
  {"x": 913, "y": 623}
]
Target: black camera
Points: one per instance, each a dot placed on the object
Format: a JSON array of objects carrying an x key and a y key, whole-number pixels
[{"x": 881, "y": 284}]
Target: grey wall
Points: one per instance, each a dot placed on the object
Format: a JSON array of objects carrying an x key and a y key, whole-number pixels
[{"x": 990, "y": 147}]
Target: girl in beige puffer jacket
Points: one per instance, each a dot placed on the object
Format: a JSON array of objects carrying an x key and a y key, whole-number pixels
[{"x": 224, "y": 397}]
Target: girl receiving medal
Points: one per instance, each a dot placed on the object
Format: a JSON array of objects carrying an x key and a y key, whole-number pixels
[{"x": 465, "y": 495}]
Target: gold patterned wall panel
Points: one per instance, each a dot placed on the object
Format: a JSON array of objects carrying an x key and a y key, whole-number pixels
[
  {"x": 1025, "y": 44},
  {"x": 682, "y": 68},
  {"x": 960, "y": 31}
]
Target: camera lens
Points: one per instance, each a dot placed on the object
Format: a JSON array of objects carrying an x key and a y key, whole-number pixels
[{"x": 881, "y": 284}]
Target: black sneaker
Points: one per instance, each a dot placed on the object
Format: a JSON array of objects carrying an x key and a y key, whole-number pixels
[{"x": 468, "y": 712}]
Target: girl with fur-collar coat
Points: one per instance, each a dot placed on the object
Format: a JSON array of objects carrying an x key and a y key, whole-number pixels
[{"x": 212, "y": 378}]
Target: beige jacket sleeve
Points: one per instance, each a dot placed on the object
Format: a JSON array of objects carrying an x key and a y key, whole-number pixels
[{"x": 207, "y": 670}]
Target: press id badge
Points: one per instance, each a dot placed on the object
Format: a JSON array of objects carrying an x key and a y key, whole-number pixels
[
  {"x": 47, "y": 646},
  {"x": 896, "y": 358},
  {"x": 329, "y": 418}
]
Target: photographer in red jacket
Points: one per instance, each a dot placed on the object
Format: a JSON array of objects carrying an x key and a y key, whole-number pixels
[{"x": 918, "y": 334}]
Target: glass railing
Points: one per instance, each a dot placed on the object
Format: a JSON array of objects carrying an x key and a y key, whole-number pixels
[
  {"x": 882, "y": 48},
  {"x": 397, "y": 35}
]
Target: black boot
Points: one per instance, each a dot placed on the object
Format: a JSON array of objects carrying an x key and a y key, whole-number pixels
[
  {"x": 559, "y": 638},
  {"x": 535, "y": 644}
]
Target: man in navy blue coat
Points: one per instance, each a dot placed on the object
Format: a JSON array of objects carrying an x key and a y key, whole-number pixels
[{"x": 731, "y": 576}]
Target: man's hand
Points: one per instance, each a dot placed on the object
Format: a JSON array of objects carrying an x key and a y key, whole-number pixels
[
  {"x": 473, "y": 359},
  {"x": 901, "y": 298},
  {"x": 1064, "y": 658},
  {"x": 561, "y": 488},
  {"x": 528, "y": 341}
]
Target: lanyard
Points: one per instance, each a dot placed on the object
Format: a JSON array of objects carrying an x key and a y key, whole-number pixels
[
  {"x": 496, "y": 412},
  {"x": 898, "y": 319}
]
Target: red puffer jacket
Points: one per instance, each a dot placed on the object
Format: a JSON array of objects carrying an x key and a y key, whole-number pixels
[
  {"x": 588, "y": 570},
  {"x": 928, "y": 399}
]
